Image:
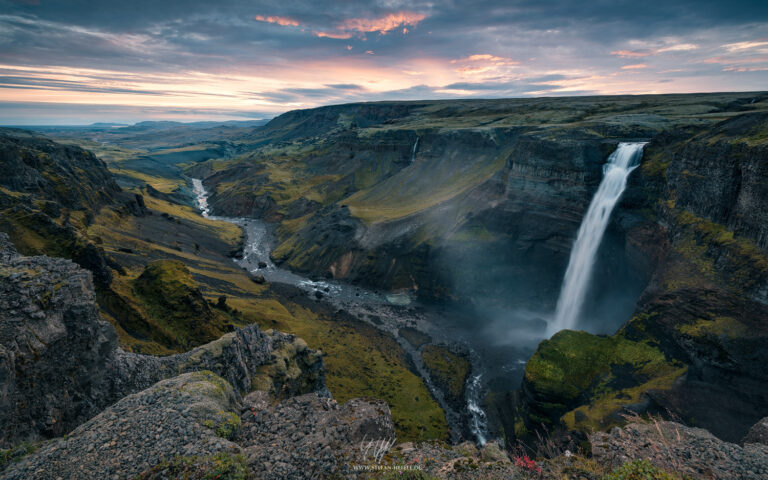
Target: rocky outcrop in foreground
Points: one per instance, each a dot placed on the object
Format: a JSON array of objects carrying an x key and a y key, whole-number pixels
[
  {"x": 688, "y": 451},
  {"x": 60, "y": 363},
  {"x": 198, "y": 422}
]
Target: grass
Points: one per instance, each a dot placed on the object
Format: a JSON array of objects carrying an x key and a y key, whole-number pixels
[
  {"x": 360, "y": 360},
  {"x": 421, "y": 186},
  {"x": 609, "y": 371}
]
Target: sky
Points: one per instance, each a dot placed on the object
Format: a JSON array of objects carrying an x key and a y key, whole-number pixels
[{"x": 83, "y": 61}]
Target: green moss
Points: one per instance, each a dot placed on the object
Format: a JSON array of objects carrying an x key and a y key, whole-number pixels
[
  {"x": 701, "y": 242},
  {"x": 360, "y": 360},
  {"x": 222, "y": 466},
  {"x": 639, "y": 470},
  {"x": 717, "y": 326},
  {"x": 608, "y": 371},
  {"x": 169, "y": 295},
  {"x": 226, "y": 424},
  {"x": 448, "y": 369}
]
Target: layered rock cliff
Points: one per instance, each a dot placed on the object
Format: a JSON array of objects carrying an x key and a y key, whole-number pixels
[
  {"x": 61, "y": 364},
  {"x": 705, "y": 308}
]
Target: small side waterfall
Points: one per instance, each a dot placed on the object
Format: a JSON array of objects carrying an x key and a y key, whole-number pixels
[
  {"x": 415, "y": 147},
  {"x": 620, "y": 164}
]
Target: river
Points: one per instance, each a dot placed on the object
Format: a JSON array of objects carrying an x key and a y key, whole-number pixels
[{"x": 384, "y": 310}]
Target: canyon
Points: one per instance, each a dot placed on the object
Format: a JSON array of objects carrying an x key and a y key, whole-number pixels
[{"x": 422, "y": 246}]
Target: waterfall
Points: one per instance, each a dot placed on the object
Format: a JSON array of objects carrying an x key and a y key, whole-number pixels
[
  {"x": 620, "y": 164},
  {"x": 415, "y": 146}
]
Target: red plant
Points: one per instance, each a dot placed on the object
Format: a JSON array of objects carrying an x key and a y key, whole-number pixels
[{"x": 527, "y": 463}]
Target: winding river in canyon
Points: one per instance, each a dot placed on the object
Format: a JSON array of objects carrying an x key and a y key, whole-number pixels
[
  {"x": 387, "y": 311},
  {"x": 392, "y": 312}
]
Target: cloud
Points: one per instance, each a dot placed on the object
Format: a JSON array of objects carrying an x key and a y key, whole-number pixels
[
  {"x": 383, "y": 24},
  {"x": 740, "y": 46},
  {"x": 282, "y": 21},
  {"x": 234, "y": 55},
  {"x": 350, "y": 27},
  {"x": 334, "y": 35},
  {"x": 635, "y": 66},
  {"x": 630, "y": 53},
  {"x": 680, "y": 47},
  {"x": 486, "y": 58}
]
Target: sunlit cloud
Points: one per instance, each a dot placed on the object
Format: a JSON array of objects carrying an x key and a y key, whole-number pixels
[
  {"x": 383, "y": 24},
  {"x": 630, "y": 53},
  {"x": 350, "y": 27},
  {"x": 486, "y": 58},
  {"x": 740, "y": 46},
  {"x": 225, "y": 58},
  {"x": 335, "y": 35},
  {"x": 681, "y": 47},
  {"x": 282, "y": 21}
]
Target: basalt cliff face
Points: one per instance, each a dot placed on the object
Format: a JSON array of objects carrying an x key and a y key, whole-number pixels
[
  {"x": 479, "y": 202},
  {"x": 701, "y": 322},
  {"x": 61, "y": 364}
]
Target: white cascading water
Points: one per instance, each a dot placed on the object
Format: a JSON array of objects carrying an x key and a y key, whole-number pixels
[
  {"x": 201, "y": 196},
  {"x": 577, "y": 277},
  {"x": 415, "y": 147}
]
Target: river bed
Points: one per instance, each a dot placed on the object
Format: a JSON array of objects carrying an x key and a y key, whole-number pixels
[{"x": 390, "y": 311}]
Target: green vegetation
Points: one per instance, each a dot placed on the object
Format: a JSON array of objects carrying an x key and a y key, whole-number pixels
[
  {"x": 639, "y": 470},
  {"x": 717, "y": 326},
  {"x": 16, "y": 453},
  {"x": 222, "y": 466},
  {"x": 360, "y": 360},
  {"x": 609, "y": 371},
  {"x": 745, "y": 263},
  {"x": 172, "y": 300},
  {"x": 448, "y": 369},
  {"x": 226, "y": 424}
]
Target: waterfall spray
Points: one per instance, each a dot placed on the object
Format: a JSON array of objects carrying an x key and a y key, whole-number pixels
[{"x": 620, "y": 164}]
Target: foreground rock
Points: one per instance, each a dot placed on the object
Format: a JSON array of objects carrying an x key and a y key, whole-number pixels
[
  {"x": 193, "y": 423},
  {"x": 139, "y": 431},
  {"x": 685, "y": 450},
  {"x": 60, "y": 363}
]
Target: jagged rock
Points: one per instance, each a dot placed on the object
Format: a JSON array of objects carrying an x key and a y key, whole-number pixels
[
  {"x": 66, "y": 174},
  {"x": 199, "y": 415},
  {"x": 60, "y": 363},
  {"x": 758, "y": 433},
  {"x": 313, "y": 437},
  {"x": 681, "y": 449},
  {"x": 175, "y": 417}
]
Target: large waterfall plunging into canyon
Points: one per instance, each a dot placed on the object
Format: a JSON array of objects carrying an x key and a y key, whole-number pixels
[{"x": 579, "y": 272}]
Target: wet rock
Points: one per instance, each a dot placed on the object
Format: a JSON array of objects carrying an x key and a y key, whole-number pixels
[
  {"x": 259, "y": 279},
  {"x": 262, "y": 264}
]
